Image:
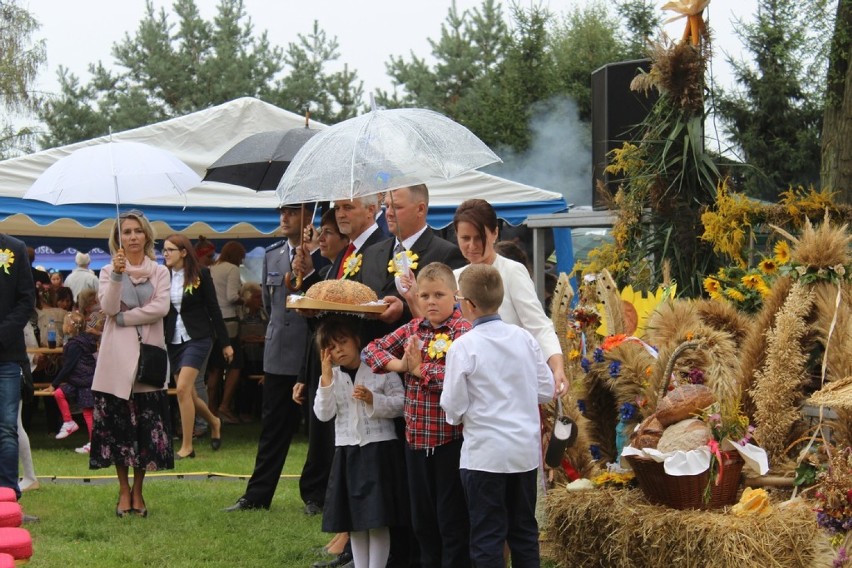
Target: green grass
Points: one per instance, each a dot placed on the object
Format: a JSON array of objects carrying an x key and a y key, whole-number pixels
[{"x": 185, "y": 526}]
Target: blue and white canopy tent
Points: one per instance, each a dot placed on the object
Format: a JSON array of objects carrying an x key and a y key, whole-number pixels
[{"x": 217, "y": 211}]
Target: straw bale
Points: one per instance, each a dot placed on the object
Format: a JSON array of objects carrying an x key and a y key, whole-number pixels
[{"x": 617, "y": 527}]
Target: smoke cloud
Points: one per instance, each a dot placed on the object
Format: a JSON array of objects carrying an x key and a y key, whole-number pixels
[{"x": 560, "y": 156}]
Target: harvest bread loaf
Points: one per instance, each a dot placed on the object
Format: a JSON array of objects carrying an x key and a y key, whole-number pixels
[
  {"x": 341, "y": 292},
  {"x": 683, "y": 402},
  {"x": 685, "y": 435},
  {"x": 647, "y": 434}
]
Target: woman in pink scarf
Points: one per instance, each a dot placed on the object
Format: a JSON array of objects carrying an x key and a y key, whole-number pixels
[{"x": 132, "y": 426}]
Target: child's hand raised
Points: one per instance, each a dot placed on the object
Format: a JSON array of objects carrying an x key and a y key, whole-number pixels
[
  {"x": 363, "y": 393},
  {"x": 325, "y": 380},
  {"x": 413, "y": 358}
]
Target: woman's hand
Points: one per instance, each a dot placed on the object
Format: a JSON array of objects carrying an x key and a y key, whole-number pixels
[
  {"x": 119, "y": 262},
  {"x": 557, "y": 367},
  {"x": 48, "y": 389},
  {"x": 363, "y": 393},
  {"x": 228, "y": 353}
]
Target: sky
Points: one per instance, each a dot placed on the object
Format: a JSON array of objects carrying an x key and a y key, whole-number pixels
[
  {"x": 81, "y": 32},
  {"x": 369, "y": 32}
]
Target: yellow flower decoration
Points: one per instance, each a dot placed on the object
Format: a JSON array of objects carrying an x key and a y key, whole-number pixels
[
  {"x": 735, "y": 295},
  {"x": 7, "y": 259},
  {"x": 351, "y": 265},
  {"x": 573, "y": 355},
  {"x": 753, "y": 281},
  {"x": 713, "y": 287},
  {"x": 768, "y": 266},
  {"x": 439, "y": 345},
  {"x": 395, "y": 264},
  {"x": 190, "y": 288},
  {"x": 782, "y": 252}
]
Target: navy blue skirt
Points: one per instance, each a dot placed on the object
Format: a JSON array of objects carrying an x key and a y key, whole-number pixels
[
  {"x": 367, "y": 488},
  {"x": 192, "y": 354}
]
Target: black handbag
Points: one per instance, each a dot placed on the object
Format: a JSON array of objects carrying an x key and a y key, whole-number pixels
[{"x": 153, "y": 364}]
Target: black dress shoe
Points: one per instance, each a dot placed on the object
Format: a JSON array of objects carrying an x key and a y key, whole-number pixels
[
  {"x": 187, "y": 456},
  {"x": 338, "y": 561},
  {"x": 244, "y": 504},
  {"x": 312, "y": 508},
  {"x": 215, "y": 443}
]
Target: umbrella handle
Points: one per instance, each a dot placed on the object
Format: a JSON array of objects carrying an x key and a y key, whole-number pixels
[{"x": 293, "y": 281}]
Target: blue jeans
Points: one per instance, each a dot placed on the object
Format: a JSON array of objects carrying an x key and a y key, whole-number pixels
[{"x": 10, "y": 398}]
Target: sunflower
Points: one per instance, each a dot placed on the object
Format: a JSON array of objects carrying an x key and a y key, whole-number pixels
[
  {"x": 768, "y": 266},
  {"x": 713, "y": 286},
  {"x": 735, "y": 295},
  {"x": 782, "y": 252},
  {"x": 752, "y": 281}
]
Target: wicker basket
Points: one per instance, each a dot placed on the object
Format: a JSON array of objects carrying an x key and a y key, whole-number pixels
[{"x": 687, "y": 491}]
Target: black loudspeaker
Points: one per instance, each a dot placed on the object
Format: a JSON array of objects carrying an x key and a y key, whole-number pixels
[{"x": 616, "y": 111}]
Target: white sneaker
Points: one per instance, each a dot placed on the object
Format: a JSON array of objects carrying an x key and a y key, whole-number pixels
[
  {"x": 84, "y": 449},
  {"x": 67, "y": 429}
]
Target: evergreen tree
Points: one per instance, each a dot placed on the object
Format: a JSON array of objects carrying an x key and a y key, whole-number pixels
[
  {"x": 836, "y": 152},
  {"x": 167, "y": 70},
  {"x": 587, "y": 39},
  {"x": 774, "y": 118},
  {"x": 642, "y": 20},
  {"x": 20, "y": 60},
  {"x": 467, "y": 55}
]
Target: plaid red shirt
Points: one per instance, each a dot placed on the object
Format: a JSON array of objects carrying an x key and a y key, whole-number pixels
[{"x": 425, "y": 422}]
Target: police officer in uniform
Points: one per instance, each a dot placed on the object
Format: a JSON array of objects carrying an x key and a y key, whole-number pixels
[{"x": 286, "y": 337}]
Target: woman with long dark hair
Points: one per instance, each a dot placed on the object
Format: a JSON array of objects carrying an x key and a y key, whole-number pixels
[{"x": 194, "y": 323}]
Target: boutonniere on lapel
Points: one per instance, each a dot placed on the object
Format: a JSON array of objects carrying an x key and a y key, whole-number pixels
[
  {"x": 351, "y": 265},
  {"x": 7, "y": 259},
  {"x": 396, "y": 265},
  {"x": 439, "y": 345},
  {"x": 190, "y": 288}
]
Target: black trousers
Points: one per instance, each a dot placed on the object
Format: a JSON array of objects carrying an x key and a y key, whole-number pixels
[
  {"x": 439, "y": 516},
  {"x": 279, "y": 421},
  {"x": 314, "y": 478},
  {"x": 502, "y": 510}
]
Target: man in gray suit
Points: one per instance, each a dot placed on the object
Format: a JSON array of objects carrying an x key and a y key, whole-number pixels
[{"x": 284, "y": 350}]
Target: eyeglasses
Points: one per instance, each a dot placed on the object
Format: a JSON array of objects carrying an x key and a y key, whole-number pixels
[
  {"x": 459, "y": 299},
  {"x": 170, "y": 250},
  {"x": 131, "y": 213}
]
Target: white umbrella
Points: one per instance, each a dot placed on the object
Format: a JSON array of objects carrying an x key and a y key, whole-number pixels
[
  {"x": 380, "y": 151},
  {"x": 114, "y": 172}
]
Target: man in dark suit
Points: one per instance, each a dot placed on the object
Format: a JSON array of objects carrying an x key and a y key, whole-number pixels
[
  {"x": 284, "y": 349},
  {"x": 406, "y": 209},
  {"x": 17, "y": 302}
]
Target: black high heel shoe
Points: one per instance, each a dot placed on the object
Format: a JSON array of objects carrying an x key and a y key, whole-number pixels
[
  {"x": 187, "y": 456},
  {"x": 216, "y": 443},
  {"x": 121, "y": 513}
]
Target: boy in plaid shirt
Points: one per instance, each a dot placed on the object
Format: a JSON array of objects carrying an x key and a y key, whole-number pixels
[{"x": 417, "y": 350}]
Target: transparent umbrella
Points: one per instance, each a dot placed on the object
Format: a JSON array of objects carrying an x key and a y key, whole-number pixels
[
  {"x": 114, "y": 172},
  {"x": 380, "y": 151}
]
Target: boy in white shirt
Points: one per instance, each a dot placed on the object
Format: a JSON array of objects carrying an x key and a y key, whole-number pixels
[{"x": 495, "y": 378}]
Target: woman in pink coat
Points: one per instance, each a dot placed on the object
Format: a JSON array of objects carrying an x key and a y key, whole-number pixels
[{"x": 132, "y": 426}]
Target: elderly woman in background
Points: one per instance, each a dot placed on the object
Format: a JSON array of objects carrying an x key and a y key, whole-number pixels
[
  {"x": 226, "y": 278},
  {"x": 131, "y": 420},
  {"x": 475, "y": 222}
]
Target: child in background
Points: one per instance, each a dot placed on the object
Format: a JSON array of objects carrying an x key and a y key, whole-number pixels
[
  {"x": 495, "y": 379},
  {"x": 366, "y": 490},
  {"x": 418, "y": 348},
  {"x": 74, "y": 380}
]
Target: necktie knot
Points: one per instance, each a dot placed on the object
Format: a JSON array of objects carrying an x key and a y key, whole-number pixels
[{"x": 398, "y": 248}]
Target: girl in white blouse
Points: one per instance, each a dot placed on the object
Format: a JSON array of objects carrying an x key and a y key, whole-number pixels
[{"x": 366, "y": 491}]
